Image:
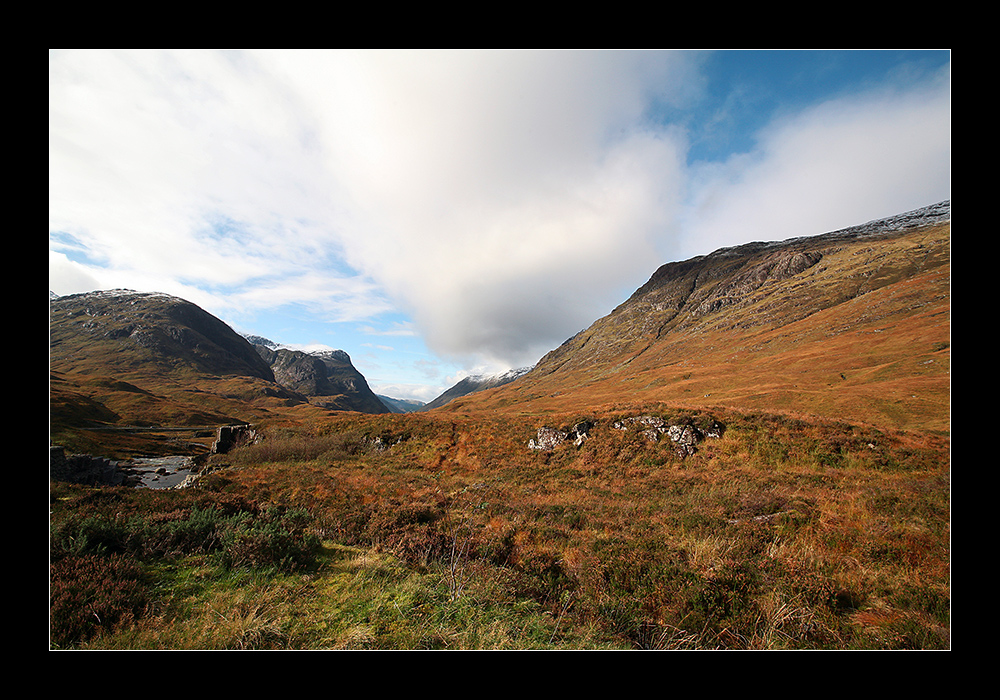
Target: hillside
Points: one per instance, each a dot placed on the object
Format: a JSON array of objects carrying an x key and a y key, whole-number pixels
[
  {"x": 124, "y": 363},
  {"x": 128, "y": 332},
  {"x": 853, "y": 324}
]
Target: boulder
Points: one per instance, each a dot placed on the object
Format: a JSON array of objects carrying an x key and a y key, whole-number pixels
[
  {"x": 684, "y": 437},
  {"x": 652, "y": 427},
  {"x": 550, "y": 438},
  {"x": 547, "y": 439}
]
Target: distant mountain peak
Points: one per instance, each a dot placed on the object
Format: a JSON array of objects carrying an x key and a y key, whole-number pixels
[
  {"x": 334, "y": 355},
  {"x": 327, "y": 377},
  {"x": 476, "y": 383},
  {"x": 260, "y": 340}
]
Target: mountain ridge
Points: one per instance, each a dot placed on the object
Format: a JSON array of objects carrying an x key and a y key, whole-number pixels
[
  {"x": 126, "y": 360},
  {"x": 746, "y": 314},
  {"x": 148, "y": 327},
  {"x": 853, "y": 323}
]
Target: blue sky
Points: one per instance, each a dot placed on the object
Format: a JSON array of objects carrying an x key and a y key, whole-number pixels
[{"x": 438, "y": 214}]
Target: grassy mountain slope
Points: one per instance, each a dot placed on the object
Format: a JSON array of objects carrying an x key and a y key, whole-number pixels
[
  {"x": 844, "y": 325},
  {"x": 124, "y": 359},
  {"x": 132, "y": 332}
]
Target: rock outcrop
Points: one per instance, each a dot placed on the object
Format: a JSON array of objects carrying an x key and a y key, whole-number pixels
[
  {"x": 230, "y": 436},
  {"x": 684, "y": 437},
  {"x": 83, "y": 469},
  {"x": 550, "y": 438}
]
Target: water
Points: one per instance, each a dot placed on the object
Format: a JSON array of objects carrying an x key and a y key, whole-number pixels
[{"x": 161, "y": 472}]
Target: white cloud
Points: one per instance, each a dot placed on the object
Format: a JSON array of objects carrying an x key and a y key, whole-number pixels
[
  {"x": 182, "y": 164},
  {"x": 68, "y": 277},
  {"x": 840, "y": 163},
  {"x": 502, "y": 199}
]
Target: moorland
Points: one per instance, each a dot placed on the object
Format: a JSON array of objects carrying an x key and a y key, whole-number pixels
[{"x": 812, "y": 512}]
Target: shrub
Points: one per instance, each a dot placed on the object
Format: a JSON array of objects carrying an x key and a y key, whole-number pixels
[
  {"x": 275, "y": 537},
  {"x": 278, "y": 539},
  {"x": 641, "y": 584},
  {"x": 92, "y": 594}
]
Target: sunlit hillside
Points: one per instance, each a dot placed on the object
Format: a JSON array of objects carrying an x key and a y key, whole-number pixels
[{"x": 861, "y": 335}]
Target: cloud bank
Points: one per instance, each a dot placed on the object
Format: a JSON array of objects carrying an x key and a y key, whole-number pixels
[
  {"x": 502, "y": 200},
  {"x": 841, "y": 163}
]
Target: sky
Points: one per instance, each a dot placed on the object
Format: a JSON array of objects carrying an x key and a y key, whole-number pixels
[{"x": 437, "y": 214}]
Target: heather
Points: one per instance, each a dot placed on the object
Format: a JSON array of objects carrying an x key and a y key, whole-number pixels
[{"x": 446, "y": 532}]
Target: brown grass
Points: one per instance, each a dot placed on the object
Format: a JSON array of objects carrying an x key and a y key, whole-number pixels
[{"x": 779, "y": 535}]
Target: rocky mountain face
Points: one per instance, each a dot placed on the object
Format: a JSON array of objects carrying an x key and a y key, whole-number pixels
[
  {"x": 473, "y": 384},
  {"x": 328, "y": 378},
  {"x": 855, "y": 321},
  {"x": 123, "y": 363}
]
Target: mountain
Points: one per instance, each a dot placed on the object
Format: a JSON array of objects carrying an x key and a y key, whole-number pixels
[
  {"x": 327, "y": 378},
  {"x": 127, "y": 331},
  {"x": 473, "y": 384},
  {"x": 400, "y": 405},
  {"x": 131, "y": 362},
  {"x": 122, "y": 360},
  {"x": 853, "y": 324}
]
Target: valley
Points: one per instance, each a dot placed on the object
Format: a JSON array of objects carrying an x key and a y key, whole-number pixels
[{"x": 812, "y": 511}]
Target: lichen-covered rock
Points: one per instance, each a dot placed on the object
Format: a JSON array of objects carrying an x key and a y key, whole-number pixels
[
  {"x": 684, "y": 437},
  {"x": 654, "y": 426},
  {"x": 548, "y": 439}
]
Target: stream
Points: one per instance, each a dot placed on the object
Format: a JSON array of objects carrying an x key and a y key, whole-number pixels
[{"x": 160, "y": 472}]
